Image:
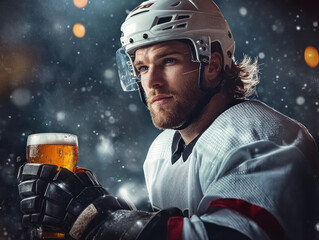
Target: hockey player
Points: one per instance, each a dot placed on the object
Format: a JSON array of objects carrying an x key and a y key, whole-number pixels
[{"x": 224, "y": 168}]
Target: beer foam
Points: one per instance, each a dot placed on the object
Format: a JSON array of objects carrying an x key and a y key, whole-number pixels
[{"x": 52, "y": 138}]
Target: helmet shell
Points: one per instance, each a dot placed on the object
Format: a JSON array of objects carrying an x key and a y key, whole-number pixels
[{"x": 199, "y": 21}]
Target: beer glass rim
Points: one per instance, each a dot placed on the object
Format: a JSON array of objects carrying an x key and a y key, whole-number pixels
[{"x": 52, "y": 138}]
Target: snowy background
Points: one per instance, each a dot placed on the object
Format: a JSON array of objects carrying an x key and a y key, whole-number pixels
[{"x": 51, "y": 80}]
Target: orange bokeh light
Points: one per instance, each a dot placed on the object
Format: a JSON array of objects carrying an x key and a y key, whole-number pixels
[
  {"x": 311, "y": 56},
  {"x": 80, "y": 3},
  {"x": 79, "y": 30}
]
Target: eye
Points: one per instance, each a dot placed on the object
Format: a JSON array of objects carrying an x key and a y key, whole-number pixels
[
  {"x": 169, "y": 60},
  {"x": 142, "y": 69}
]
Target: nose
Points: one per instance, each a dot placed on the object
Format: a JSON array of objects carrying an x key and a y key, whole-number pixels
[{"x": 153, "y": 78}]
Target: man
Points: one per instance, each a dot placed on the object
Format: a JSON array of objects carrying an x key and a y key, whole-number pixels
[{"x": 224, "y": 168}]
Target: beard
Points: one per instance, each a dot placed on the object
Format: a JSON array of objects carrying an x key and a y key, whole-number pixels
[{"x": 177, "y": 111}]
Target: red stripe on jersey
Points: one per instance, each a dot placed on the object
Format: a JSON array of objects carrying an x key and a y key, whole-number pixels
[
  {"x": 174, "y": 228},
  {"x": 259, "y": 215}
]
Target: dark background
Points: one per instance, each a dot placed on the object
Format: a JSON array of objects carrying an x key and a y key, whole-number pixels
[{"x": 51, "y": 80}]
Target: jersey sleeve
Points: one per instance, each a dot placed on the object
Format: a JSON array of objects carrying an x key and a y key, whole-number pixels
[{"x": 262, "y": 190}]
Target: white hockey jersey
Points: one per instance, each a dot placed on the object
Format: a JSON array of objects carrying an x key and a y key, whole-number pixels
[{"x": 251, "y": 170}]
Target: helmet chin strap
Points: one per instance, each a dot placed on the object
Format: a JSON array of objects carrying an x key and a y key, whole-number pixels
[
  {"x": 209, "y": 93},
  {"x": 142, "y": 94}
]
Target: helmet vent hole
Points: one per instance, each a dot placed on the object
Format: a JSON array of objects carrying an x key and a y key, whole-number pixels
[
  {"x": 183, "y": 17},
  {"x": 164, "y": 20},
  {"x": 175, "y": 4},
  {"x": 229, "y": 34},
  {"x": 181, "y": 25},
  {"x": 168, "y": 28},
  {"x": 229, "y": 54}
]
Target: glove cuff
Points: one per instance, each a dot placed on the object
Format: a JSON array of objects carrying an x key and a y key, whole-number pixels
[
  {"x": 83, "y": 221},
  {"x": 138, "y": 225},
  {"x": 93, "y": 215},
  {"x": 157, "y": 226}
]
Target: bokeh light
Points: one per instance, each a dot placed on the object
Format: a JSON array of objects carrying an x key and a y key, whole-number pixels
[
  {"x": 80, "y": 3},
  {"x": 16, "y": 67},
  {"x": 79, "y": 30},
  {"x": 311, "y": 56}
]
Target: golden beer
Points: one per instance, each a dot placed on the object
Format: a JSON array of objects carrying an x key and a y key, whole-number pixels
[
  {"x": 57, "y": 154},
  {"x": 60, "y": 149}
]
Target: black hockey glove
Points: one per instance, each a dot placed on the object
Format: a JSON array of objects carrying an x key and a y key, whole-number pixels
[
  {"x": 63, "y": 201},
  {"x": 77, "y": 205}
]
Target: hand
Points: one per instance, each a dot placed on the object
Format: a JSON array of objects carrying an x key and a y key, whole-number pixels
[{"x": 62, "y": 201}]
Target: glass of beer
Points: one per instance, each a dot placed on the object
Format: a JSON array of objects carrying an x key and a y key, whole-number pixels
[{"x": 59, "y": 149}]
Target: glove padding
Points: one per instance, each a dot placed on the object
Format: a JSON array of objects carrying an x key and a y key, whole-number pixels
[{"x": 63, "y": 201}]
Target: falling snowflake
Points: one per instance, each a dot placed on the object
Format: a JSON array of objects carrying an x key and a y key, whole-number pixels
[
  {"x": 109, "y": 74},
  {"x": 261, "y": 55},
  {"x": 21, "y": 97},
  {"x": 60, "y": 116},
  {"x": 300, "y": 100},
  {"x": 132, "y": 107},
  {"x": 105, "y": 147},
  {"x": 243, "y": 11}
]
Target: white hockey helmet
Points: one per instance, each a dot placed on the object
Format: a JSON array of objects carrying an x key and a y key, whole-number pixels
[{"x": 199, "y": 21}]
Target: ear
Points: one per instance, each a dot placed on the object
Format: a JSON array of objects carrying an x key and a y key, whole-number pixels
[{"x": 213, "y": 69}]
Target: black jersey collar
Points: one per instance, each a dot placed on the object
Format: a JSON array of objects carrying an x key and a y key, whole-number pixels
[{"x": 179, "y": 148}]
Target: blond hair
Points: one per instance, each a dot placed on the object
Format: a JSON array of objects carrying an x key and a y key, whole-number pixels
[{"x": 242, "y": 78}]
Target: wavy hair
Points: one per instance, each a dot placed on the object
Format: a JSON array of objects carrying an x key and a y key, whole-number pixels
[{"x": 242, "y": 78}]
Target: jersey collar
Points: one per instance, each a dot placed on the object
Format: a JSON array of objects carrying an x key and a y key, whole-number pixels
[{"x": 180, "y": 149}]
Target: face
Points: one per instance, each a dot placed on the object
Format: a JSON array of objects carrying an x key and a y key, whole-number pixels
[{"x": 170, "y": 81}]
